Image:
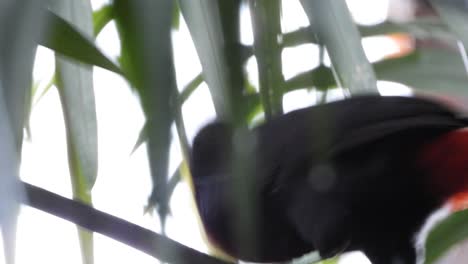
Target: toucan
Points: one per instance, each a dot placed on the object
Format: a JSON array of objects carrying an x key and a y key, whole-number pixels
[{"x": 362, "y": 173}]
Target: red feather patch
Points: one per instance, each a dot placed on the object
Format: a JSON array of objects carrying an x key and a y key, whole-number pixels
[{"x": 446, "y": 160}]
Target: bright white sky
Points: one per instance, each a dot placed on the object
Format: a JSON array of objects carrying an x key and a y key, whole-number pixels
[{"x": 123, "y": 183}]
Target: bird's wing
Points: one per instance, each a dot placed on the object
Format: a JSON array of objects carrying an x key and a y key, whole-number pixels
[
  {"x": 317, "y": 133},
  {"x": 301, "y": 163}
]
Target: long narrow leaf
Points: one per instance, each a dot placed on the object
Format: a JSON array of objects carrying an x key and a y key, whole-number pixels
[
  {"x": 235, "y": 59},
  {"x": 455, "y": 15},
  {"x": 75, "y": 84},
  {"x": 266, "y": 26},
  {"x": 9, "y": 189},
  {"x": 19, "y": 21},
  {"x": 421, "y": 28},
  {"x": 334, "y": 26},
  {"x": 102, "y": 17},
  {"x": 425, "y": 70},
  {"x": 320, "y": 78},
  {"x": 180, "y": 100},
  {"x": 428, "y": 70},
  {"x": 65, "y": 39},
  {"x": 204, "y": 22},
  {"x": 145, "y": 31}
]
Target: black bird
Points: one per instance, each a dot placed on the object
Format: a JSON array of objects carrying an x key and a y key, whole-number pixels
[{"x": 358, "y": 174}]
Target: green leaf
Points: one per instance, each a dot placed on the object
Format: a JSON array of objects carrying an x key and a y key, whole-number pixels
[
  {"x": 46, "y": 89},
  {"x": 329, "y": 261},
  {"x": 252, "y": 107},
  {"x": 189, "y": 89},
  {"x": 19, "y": 22},
  {"x": 180, "y": 100},
  {"x": 334, "y": 26},
  {"x": 176, "y": 16},
  {"x": 450, "y": 231},
  {"x": 75, "y": 84},
  {"x": 455, "y": 14},
  {"x": 145, "y": 32},
  {"x": 10, "y": 192},
  {"x": 267, "y": 28},
  {"x": 204, "y": 22},
  {"x": 427, "y": 69},
  {"x": 320, "y": 77},
  {"x": 142, "y": 137},
  {"x": 65, "y": 39},
  {"x": 236, "y": 56},
  {"x": 102, "y": 17},
  {"x": 421, "y": 28},
  {"x": 35, "y": 99},
  {"x": 171, "y": 185}
]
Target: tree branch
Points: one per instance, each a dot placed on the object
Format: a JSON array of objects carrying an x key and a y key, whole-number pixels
[{"x": 135, "y": 236}]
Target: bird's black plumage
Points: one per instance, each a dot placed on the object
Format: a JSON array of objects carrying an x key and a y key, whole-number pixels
[{"x": 335, "y": 177}]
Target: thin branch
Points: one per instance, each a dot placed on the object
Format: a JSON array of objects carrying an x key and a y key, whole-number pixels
[{"x": 135, "y": 236}]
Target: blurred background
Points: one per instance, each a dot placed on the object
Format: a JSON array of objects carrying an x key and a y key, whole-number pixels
[{"x": 409, "y": 48}]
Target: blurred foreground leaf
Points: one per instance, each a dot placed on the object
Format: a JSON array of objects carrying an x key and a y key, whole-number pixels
[
  {"x": 335, "y": 28},
  {"x": 266, "y": 27},
  {"x": 65, "y": 39},
  {"x": 446, "y": 234},
  {"x": 75, "y": 84},
  {"x": 102, "y": 17},
  {"x": 455, "y": 14},
  {"x": 145, "y": 31},
  {"x": 420, "y": 28},
  {"x": 19, "y": 22},
  {"x": 204, "y": 22},
  {"x": 427, "y": 69}
]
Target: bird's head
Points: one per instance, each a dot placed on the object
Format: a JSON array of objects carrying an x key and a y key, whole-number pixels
[{"x": 211, "y": 151}]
